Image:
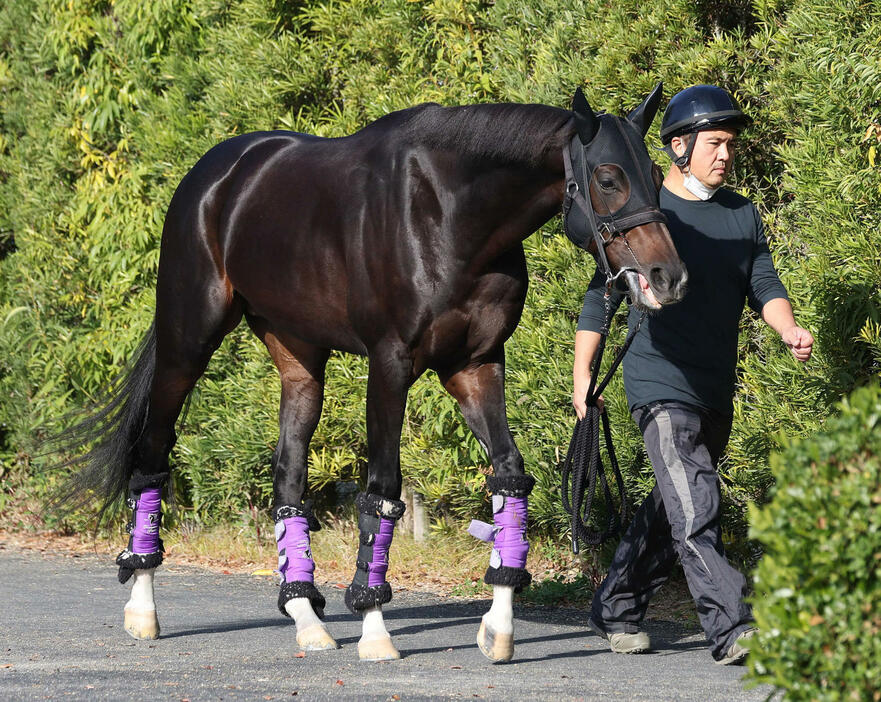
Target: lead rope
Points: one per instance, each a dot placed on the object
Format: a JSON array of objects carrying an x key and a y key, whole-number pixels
[{"x": 583, "y": 462}]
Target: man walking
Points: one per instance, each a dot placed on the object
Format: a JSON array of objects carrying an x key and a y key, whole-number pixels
[{"x": 679, "y": 376}]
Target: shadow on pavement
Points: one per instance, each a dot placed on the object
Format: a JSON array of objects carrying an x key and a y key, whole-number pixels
[{"x": 229, "y": 626}]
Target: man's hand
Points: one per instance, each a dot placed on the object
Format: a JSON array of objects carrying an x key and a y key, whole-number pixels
[
  {"x": 799, "y": 341},
  {"x": 579, "y": 395},
  {"x": 778, "y": 314}
]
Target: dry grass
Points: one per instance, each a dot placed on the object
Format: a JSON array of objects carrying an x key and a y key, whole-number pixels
[{"x": 448, "y": 562}]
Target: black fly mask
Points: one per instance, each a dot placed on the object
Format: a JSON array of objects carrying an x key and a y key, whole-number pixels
[{"x": 607, "y": 140}]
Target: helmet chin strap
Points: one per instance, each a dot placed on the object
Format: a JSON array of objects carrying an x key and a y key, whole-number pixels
[{"x": 682, "y": 161}]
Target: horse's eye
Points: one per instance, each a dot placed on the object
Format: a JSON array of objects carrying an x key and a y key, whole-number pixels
[{"x": 607, "y": 184}]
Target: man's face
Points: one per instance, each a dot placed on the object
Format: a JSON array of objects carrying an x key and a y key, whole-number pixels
[{"x": 712, "y": 156}]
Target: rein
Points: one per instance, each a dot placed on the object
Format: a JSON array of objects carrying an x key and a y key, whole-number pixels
[{"x": 583, "y": 463}]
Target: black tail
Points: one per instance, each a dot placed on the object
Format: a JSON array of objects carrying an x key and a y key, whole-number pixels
[{"x": 111, "y": 428}]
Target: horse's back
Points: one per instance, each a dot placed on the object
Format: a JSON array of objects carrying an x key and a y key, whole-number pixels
[
  {"x": 282, "y": 171},
  {"x": 305, "y": 221},
  {"x": 342, "y": 242}
]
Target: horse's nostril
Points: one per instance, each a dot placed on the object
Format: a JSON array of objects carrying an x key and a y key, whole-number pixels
[{"x": 660, "y": 279}]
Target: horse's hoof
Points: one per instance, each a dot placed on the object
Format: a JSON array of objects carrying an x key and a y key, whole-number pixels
[
  {"x": 499, "y": 648},
  {"x": 315, "y": 638},
  {"x": 378, "y": 650},
  {"x": 142, "y": 623}
]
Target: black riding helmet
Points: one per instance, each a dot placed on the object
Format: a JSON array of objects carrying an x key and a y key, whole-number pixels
[
  {"x": 698, "y": 108},
  {"x": 701, "y": 107}
]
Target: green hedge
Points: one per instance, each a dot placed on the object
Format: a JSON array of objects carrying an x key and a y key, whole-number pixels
[
  {"x": 818, "y": 587},
  {"x": 107, "y": 103}
]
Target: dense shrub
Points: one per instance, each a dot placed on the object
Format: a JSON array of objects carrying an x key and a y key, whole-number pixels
[
  {"x": 818, "y": 588},
  {"x": 106, "y": 104}
]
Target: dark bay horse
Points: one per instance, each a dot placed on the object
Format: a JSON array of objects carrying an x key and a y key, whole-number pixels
[{"x": 402, "y": 242}]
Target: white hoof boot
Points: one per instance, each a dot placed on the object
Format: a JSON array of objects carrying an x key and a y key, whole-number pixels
[
  {"x": 495, "y": 638},
  {"x": 315, "y": 638},
  {"x": 378, "y": 650},
  {"x": 496, "y": 646},
  {"x": 142, "y": 623},
  {"x": 375, "y": 643},
  {"x": 311, "y": 634}
]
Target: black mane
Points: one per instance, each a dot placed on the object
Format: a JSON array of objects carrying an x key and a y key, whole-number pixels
[{"x": 507, "y": 132}]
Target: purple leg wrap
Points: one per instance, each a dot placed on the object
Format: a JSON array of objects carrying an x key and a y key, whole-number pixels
[
  {"x": 376, "y": 522},
  {"x": 294, "y": 555},
  {"x": 295, "y": 564},
  {"x": 145, "y": 532},
  {"x": 378, "y": 567},
  {"x": 507, "y": 534},
  {"x": 511, "y": 545},
  {"x": 144, "y": 546}
]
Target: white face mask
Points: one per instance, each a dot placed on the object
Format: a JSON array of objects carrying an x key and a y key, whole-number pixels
[{"x": 696, "y": 188}]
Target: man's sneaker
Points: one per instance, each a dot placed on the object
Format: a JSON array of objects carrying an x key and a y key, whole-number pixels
[
  {"x": 737, "y": 652},
  {"x": 622, "y": 642}
]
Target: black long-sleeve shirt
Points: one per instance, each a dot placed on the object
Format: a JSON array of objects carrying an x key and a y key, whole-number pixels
[{"x": 688, "y": 351}]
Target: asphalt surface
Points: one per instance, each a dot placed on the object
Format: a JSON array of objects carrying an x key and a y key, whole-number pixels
[{"x": 61, "y": 637}]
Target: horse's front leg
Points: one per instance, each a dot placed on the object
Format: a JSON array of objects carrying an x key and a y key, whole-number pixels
[
  {"x": 479, "y": 389},
  {"x": 379, "y": 508},
  {"x": 301, "y": 369}
]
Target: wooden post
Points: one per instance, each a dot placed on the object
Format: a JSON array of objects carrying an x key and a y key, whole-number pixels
[
  {"x": 407, "y": 519},
  {"x": 420, "y": 526}
]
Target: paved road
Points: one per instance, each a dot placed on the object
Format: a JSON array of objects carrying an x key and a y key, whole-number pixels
[{"x": 61, "y": 637}]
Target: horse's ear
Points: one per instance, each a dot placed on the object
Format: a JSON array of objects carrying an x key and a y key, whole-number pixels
[
  {"x": 586, "y": 122},
  {"x": 643, "y": 115}
]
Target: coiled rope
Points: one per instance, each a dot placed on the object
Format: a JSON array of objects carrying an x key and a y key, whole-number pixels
[{"x": 583, "y": 463}]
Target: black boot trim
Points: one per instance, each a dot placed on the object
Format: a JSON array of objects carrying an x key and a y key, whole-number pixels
[
  {"x": 129, "y": 562},
  {"x": 138, "y": 483},
  {"x": 301, "y": 588},
  {"x": 302, "y": 510},
  {"x": 361, "y": 597},
  {"x": 510, "y": 486},
  {"x": 379, "y": 506},
  {"x": 518, "y": 578}
]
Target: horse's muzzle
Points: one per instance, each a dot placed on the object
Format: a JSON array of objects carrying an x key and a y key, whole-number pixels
[{"x": 668, "y": 282}]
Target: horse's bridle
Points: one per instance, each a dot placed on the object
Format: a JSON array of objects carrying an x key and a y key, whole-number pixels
[
  {"x": 638, "y": 209},
  {"x": 583, "y": 462}
]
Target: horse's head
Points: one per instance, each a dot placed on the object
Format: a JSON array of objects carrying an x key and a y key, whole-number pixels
[{"x": 620, "y": 223}]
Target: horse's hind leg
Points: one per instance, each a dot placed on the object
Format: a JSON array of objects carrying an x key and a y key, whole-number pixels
[
  {"x": 379, "y": 508},
  {"x": 190, "y": 325},
  {"x": 479, "y": 389},
  {"x": 301, "y": 368}
]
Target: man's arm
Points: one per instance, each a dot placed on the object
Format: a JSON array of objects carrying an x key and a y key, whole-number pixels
[
  {"x": 587, "y": 339},
  {"x": 777, "y": 313},
  {"x": 586, "y": 344}
]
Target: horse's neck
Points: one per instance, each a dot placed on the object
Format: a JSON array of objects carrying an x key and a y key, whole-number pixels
[{"x": 509, "y": 204}]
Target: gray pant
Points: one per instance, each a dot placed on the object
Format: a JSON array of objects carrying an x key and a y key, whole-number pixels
[{"x": 680, "y": 517}]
